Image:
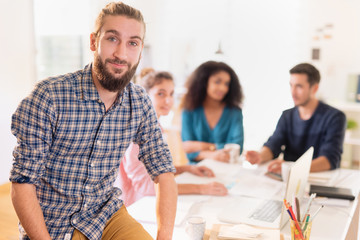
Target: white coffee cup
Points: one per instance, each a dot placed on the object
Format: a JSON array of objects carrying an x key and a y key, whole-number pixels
[
  {"x": 234, "y": 151},
  {"x": 195, "y": 227},
  {"x": 285, "y": 170}
]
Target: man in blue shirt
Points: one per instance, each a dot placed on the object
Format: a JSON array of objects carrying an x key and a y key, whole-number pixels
[
  {"x": 310, "y": 123},
  {"x": 72, "y": 132}
]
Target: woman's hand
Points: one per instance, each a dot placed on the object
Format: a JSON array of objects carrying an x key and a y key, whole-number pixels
[
  {"x": 201, "y": 171},
  {"x": 221, "y": 155},
  {"x": 214, "y": 188}
]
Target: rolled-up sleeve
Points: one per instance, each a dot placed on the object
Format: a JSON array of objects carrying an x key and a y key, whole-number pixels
[
  {"x": 31, "y": 125},
  {"x": 154, "y": 152}
]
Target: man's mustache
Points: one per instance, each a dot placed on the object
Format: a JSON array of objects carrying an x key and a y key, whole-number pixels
[{"x": 116, "y": 61}]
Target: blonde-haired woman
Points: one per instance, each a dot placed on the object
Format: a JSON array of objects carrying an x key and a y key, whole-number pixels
[{"x": 134, "y": 180}]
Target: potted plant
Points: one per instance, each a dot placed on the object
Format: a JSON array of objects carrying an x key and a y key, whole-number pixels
[{"x": 350, "y": 126}]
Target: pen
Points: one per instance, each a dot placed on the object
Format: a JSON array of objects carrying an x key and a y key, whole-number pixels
[
  {"x": 293, "y": 205},
  {"x": 306, "y": 223},
  {"x": 306, "y": 217},
  {"x": 294, "y": 219},
  {"x": 312, "y": 196},
  {"x": 317, "y": 211}
]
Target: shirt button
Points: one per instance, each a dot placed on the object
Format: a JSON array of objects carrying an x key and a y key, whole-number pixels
[
  {"x": 87, "y": 187},
  {"x": 98, "y": 142},
  {"x": 99, "y": 101},
  {"x": 92, "y": 165},
  {"x": 74, "y": 221},
  {"x": 85, "y": 205}
]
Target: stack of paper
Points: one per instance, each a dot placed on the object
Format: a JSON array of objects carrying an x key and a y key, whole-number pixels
[
  {"x": 240, "y": 231},
  {"x": 246, "y": 232},
  {"x": 326, "y": 178}
]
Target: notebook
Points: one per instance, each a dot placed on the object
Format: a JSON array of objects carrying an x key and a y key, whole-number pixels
[
  {"x": 332, "y": 192},
  {"x": 241, "y": 209}
]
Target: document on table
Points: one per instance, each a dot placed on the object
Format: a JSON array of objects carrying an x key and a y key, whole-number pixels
[
  {"x": 221, "y": 169},
  {"x": 239, "y": 181},
  {"x": 188, "y": 178},
  {"x": 256, "y": 186},
  {"x": 144, "y": 210}
]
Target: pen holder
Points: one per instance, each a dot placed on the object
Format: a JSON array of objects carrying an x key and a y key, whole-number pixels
[{"x": 305, "y": 230}]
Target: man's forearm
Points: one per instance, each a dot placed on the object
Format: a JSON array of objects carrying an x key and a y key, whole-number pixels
[
  {"x": 266, "y": 154},
  {"x": 320, "y": 164},
  {"x": 28, "y": 210},
  {"x": 166, "y": 200}
]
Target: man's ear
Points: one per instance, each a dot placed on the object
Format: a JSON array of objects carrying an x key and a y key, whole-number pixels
[
  {"x": 315, "y": 88},
  {"x": 93, "y": 42}
]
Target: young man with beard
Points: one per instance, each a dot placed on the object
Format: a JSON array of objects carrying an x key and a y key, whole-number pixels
[
  {"x": 310, "y": 123},
  {"x": 72, "y": 132}
]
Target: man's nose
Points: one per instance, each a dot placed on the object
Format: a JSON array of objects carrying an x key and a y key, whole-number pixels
[{"x": 121, "y": 51}]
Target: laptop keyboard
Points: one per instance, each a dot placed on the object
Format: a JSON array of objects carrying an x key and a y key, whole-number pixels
[{"x": 268, "y": 212}]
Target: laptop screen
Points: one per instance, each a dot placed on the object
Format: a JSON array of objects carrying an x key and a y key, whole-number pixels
[{"x": 297, "y": 181}]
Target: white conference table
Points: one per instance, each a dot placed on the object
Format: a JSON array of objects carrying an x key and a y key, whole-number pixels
[{"x": 338, "y": 220}]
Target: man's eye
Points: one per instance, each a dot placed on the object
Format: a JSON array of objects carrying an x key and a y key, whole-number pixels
[
  {"x": 133, "y": 43},
  {"x": 112, "y": 39}
]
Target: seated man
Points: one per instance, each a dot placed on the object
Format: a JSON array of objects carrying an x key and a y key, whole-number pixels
[{"x": 310, "y": 123}]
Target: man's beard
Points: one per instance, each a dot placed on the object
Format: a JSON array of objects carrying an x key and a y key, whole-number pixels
[
  {"x": 304, "y": 103},
  {"x": 107, "y": 80}
]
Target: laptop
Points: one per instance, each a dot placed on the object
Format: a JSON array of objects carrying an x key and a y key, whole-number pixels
[{"x": 246, "y": 209}]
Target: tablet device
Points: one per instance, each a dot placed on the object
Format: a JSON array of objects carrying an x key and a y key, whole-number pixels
[
  {"x": 332, "y": 192},
  {"x": 275, "y": 176}
]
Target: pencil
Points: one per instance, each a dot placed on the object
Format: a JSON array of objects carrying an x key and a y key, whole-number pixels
[
  {"x": 317, "y": 211},
  {"x": 297, "y": 209},
  {"x": 294, "y": 219}
]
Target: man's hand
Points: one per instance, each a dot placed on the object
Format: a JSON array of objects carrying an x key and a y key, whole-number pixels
[
  {"x": 253, "y": 157},
  {"x": 275, "y": 166}
]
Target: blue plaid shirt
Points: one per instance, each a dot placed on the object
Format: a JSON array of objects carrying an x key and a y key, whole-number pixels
[{"x": 70, "y": 148}]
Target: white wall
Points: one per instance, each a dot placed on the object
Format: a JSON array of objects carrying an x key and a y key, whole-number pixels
[
  {"x": 340, "y": 55},
  {"x": 261, "y": 40},
  {"x": 17, "y": 72}
]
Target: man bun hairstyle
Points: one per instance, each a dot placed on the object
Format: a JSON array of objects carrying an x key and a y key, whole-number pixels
[{"x": 117, "y": 9}]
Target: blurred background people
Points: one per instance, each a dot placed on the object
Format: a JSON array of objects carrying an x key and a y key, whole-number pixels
[
  {"x": 309, "y": 123},
  {"x": 133, "y": 180},
  {"x": 211, "y": 115}
]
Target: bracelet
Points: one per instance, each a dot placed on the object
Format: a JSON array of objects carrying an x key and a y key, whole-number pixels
[{"x": 212, "y": 147}]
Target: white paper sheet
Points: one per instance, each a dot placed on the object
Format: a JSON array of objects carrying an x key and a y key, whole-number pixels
[
  {"x": 256, "y": 186},
  {"x": 144, "y": 210},
  {"x": 243, "y": 231}
]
